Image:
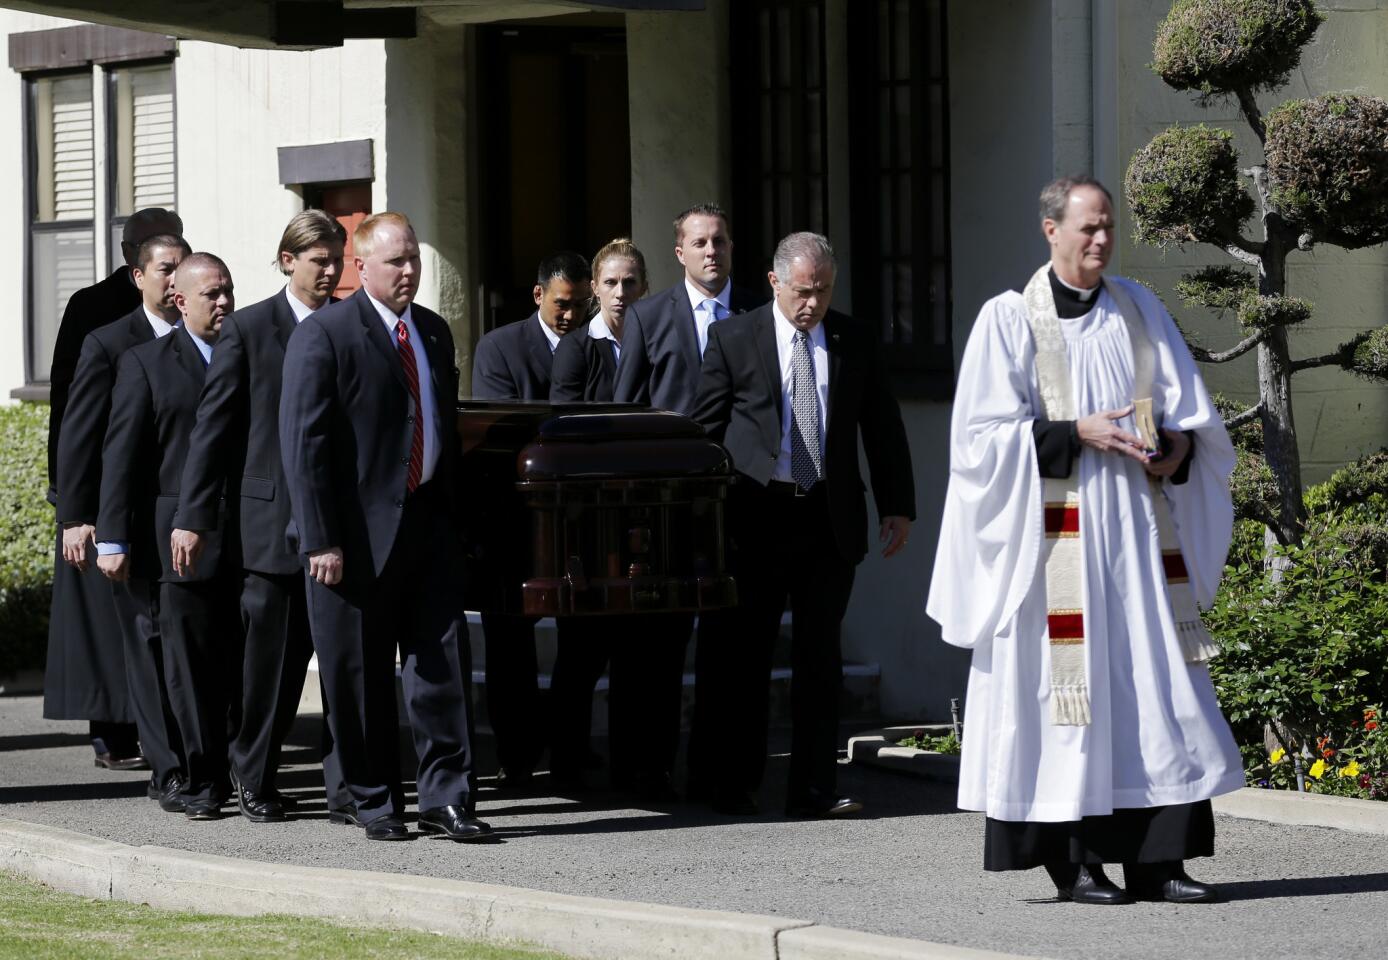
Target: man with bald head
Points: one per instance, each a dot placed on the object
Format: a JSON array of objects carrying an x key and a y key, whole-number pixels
[
  {"x": 367, "y": 408},
  {"x": 153, "y": 409},
  {"x": 85, "y": 675}
]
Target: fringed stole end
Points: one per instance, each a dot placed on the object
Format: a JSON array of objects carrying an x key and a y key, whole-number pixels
[
  {"x": 1070, "y": 705},
  {"x": 1197, "y": 646}
]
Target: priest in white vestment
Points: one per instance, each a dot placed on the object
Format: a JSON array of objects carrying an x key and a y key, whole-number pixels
[{"x": 1086, "y": 524}]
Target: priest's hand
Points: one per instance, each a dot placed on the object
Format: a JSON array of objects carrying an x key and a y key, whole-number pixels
[
  {"x": 895, "y": 532},
  {"x": 1099, "y": 432},
  {"x": 325, "y": 566},
  {"x": 185, "y": 546},
  {"x": 1177, "y": 446},
  {"x": 76, "y": 536},
  {"x": 116, "y": 566}
]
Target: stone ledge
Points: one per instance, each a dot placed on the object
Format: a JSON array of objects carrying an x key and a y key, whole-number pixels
[
  {"x": 878, "y": 748},
  {"x": 586, "y": 927}
]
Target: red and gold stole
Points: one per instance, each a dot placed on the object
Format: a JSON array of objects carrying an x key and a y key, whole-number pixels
[{"x": 1062, "y": 551}]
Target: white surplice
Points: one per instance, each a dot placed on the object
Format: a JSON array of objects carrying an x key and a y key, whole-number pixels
[{"x": 1157, "y": 736}]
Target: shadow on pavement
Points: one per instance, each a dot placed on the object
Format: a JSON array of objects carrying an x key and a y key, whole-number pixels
[
  {"x": 43, "y": 741},
  {"x": 1304, "y": 886},
  {"x": 59, "y": 792}
]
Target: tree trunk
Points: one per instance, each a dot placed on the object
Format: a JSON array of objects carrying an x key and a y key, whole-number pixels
[{"x": 1275, "y": 389}]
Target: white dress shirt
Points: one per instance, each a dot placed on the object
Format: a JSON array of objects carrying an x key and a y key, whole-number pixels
[
  {"x": 161, "y": 328},
  {"x": 550, "y": 335},
  {"x": 426, "y": 383},
  {"x": 203, "y": 346},
  {"x": 300, "y": 309},
  {"x": 703, "y": 315},
  {"x": 599, "y": 330},
  {"x": 819, "y": 353}
]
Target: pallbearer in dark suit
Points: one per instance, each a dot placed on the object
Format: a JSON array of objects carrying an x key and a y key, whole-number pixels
[
  {"x": 644, "y": 697},
  {"x": 663, "y": 347},
  {"x": 367, "y": 437},
  {"x": 85, "y": 674},
  {"x": 135, "y": 602},
  {"x": 237, "y": 441},
  {"x": 789, "y": 389},
  {"x": 154, "y": 406},
  {"x": 514, "y": 362}
]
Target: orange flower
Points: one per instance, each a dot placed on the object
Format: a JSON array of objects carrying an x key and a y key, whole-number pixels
[
  {"x": 1370, "y": 714},
  {"x": 1327, "y": 753},
  {"x": 1371, "y": 725}
]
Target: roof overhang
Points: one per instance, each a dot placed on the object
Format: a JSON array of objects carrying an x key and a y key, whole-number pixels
[{"x": 308, "y": 24}]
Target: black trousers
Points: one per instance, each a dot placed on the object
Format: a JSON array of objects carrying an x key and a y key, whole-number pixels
[
  {"x": 202, "y": 663},
  {"x": 356, "y": 625},
  {"x": 513, "y": 690},
  {"x": 278, "y": 646},
  {"x": 1129, "y": 836},
  {"x": 784, "y": 552},
  {"x": 644, "y": 654},
  {"x": 84, "y": 675},
  {"x": 137, "y": 610}
]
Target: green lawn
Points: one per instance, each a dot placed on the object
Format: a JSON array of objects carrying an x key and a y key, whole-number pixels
[{"x": 38, "y": 924}]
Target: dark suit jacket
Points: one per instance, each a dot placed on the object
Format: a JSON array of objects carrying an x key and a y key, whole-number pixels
[
  {"x": 346, "y": 424},
  {"x": 660, "y": 349},
  {"x": 153, "y": 408},
  {"x": 739, "y": 405},
  {"x": 88, "y": 410},
  {"x": 513, "y": 362},
  {"x": 237, "y": 438},
  {"x": 584, "y": 369},
  {"x": 87, "y": 309}
]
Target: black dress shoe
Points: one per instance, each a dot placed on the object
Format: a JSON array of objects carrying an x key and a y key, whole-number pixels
[
  {"x": 344, "y": 817},
  {"x": 735, "y": 803},
  {"x": 202, "y": 810},
  {"x": 1091, "y": 886},
  {"x": 823, "y": 807},
  {"x": 171, "y": 796},
  {"x": 454, "y": 823},
  {"x": 259, "y": 807},
  {"x": 388, "y": 827},
  {"x": 1166, "y": 881},
  {"x": 135, "y": 762}
]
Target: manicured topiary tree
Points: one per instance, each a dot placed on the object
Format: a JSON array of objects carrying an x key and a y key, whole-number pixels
[{"x": 1323, "y": 179}]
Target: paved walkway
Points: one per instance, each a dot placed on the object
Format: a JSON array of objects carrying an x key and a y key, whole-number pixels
[{"x": 909, "y": 868}]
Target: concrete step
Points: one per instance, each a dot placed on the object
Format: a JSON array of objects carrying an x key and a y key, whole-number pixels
[{"x": 861, "y": 700}]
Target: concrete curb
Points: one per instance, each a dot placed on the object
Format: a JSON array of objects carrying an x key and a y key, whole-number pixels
[
  {"x": 878, "y": 748},
  {"x": 585, "y": 927}
]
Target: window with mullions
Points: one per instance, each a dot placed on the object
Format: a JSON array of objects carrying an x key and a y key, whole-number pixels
[
  {"x": 140, "y": 145},
  {"x": 779, "y": 118},
  {"x": 62, "y": 204},
  {"x": 899, "y": 159}
]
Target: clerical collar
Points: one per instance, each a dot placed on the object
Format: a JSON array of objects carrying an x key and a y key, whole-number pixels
[{"x": 1071, "y": 302}]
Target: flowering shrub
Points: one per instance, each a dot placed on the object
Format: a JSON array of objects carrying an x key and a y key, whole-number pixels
[{"x": 1301, "y": 671}]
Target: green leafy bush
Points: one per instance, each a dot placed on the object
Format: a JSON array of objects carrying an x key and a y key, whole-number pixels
[
  {"x": 1303, "y": 652},
  {"x": 1184, "y": 187},
  {"x": 26, "y": 538},
  {"x": 1217, "y": 45}
]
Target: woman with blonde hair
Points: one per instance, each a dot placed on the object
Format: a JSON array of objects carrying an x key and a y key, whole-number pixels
[{"x": 585, "y": 362}]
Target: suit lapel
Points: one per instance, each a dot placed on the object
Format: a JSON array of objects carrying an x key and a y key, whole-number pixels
[
  {"x": 433, "y": 350},
  {"x": 140, "y": 330},
  {"x": 283, "y": 316},
  {"x": 188, "y": 355},
  {"x": 376, "y": 332},
  {"x": 537, "y": 346},
  {"x": 771, "y": 367},
  {"x": 833, "y": 343},
  {"x": 688, "y": 336}
]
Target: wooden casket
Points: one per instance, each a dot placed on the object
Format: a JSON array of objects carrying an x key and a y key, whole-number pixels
[{"x": 573, "y": 509}]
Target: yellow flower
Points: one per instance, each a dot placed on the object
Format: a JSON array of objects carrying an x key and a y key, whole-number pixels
[
  {"x": 1317, "y": 769},
  {"x": 1350, "y": 769},
  {"x": 1278, "y": 755}
]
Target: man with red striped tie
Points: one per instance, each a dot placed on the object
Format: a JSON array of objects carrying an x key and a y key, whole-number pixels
[
  {"x": 1086, "y": 523},
  {"x": 366, "y": 428}
]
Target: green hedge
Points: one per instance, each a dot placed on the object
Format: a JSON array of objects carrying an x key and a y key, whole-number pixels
[{"x": 26, "y": 537}]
